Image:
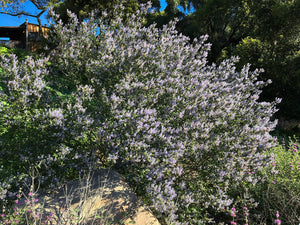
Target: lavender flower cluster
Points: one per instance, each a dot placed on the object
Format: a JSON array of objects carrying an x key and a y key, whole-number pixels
[
  {"x": 43, "y": 128},
  {"x": 188, "y": 132}
]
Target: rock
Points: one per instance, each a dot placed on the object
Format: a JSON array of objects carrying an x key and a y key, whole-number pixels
[{"x": 107, "y": 200}]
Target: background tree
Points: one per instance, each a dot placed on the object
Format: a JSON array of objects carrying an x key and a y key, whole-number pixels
[
  {"x": 274, "y": 45},
  {"x": 5, "y": 3},
  {"x": 262, "y": 32}
]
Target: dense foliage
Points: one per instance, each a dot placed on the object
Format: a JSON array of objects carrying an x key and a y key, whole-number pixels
[
  {"x": 281, "y": 191},
  {"x": 38, "y": 124},
  {"x": 190, "y": 135}
]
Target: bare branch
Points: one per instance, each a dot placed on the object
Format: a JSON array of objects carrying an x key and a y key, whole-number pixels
[
  {"x": 19, "y": 14},
  {"x": 13, "y": 8}
]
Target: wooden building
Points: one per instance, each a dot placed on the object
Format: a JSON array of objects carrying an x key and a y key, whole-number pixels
[{"x": 25, "y": 36}]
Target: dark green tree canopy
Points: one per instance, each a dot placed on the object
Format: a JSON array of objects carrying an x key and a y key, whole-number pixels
[{"x": 264, "y": 33}]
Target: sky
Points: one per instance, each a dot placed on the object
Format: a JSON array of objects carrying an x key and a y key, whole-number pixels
[{"x": 6, "y": 20}]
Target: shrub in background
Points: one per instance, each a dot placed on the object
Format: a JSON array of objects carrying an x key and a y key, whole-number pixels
[
  {"x": 43, "y": 128},
  {"x": 191, "y": 135},
  {"x": 4, "y": 50},
  {"x": 281, "y": 190},
  {"x": 21, "y": 53}
]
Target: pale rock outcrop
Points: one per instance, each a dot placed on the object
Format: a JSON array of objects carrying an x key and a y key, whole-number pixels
[{"x": 108, "y": 200}]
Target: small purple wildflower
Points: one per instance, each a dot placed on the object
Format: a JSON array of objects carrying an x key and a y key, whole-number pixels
[
  {"x": 233, "y": 210},
  {"x": 233, "y": 215},
  {"x": 277, "y": 220},
  {"x": 246, "y": 214}
]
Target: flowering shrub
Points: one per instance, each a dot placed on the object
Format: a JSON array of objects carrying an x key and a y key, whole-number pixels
[
  {"x": 187, "y": 133},
  {"x": 42, "y": 125},
  {"x": 281, "y": 189}
]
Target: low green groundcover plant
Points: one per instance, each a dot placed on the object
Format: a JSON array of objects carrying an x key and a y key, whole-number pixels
[
  {"x": 281, "y": 189},
  {"x": 191, "y": 136}
]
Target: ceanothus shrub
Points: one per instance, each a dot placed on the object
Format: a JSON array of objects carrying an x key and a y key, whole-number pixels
[
  {"x": 188, "y": 134},
  {"x": 44, "y": 128}
]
